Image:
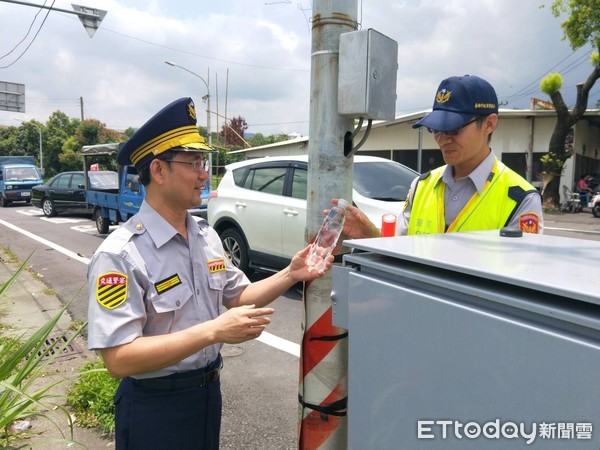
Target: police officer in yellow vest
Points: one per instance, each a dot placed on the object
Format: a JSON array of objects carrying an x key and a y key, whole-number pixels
[
  {"x": 474, "y": 190},
  {"x": 156, "y": 287}
]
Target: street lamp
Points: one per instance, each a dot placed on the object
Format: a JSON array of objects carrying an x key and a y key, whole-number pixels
[
  {"x": 207, "y": 99},
  {"x": 40, "y": 133}
]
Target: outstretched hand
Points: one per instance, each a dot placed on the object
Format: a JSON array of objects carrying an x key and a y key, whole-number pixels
[
  {"x": 357, "y": 225},
  {"x": 299, "y": 271},
  {"x": 242, "y": 324}
]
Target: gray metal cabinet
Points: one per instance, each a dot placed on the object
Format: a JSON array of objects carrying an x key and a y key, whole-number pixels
[{"x": 456, "y": 339}]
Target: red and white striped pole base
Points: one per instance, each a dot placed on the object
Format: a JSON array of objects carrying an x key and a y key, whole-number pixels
[{"x": 323, "y": 388}]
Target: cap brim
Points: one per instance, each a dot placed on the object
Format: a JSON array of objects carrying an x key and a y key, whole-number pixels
[
  {"x": 441, "y": 120},
  {"x": 195, "y": 147}
]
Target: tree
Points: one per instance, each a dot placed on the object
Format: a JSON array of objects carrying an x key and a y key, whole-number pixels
[
  {"x": 92, "y": 131},
  {"x": 260, "y": 139},
  {"x": 70, "y": 158},
  {"x": 58, "y": 129},
  {"x": 582, "y": 26},
  {"x": 233, "y": 133},
  {"x": 8, "y": 140}
]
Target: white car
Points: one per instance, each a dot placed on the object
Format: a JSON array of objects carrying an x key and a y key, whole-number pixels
[{"x": 259, "y": 207}]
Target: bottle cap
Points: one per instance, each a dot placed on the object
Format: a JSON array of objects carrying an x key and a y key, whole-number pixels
[{"x": 342, "y": 203}]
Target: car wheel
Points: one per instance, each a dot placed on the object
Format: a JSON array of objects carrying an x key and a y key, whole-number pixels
[
  {"x": 5, "y": 202},
  {"x": 102, "y": 224},
  {"x": 596, "y": 210},
  {"x": 48, "y": 207},
  {"x": 236, "y": 249}
]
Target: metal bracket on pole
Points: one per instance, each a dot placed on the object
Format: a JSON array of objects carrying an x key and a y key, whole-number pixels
[{"x": 92, "y": 18}]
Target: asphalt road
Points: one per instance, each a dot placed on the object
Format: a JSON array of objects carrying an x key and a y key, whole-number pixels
[{"x": 260, "y": 382}]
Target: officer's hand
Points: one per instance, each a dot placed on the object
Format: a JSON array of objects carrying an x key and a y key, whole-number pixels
[
  {"x": 357, "y": 225},
  {"x": 241, "y": 324},
  {"x": 299, "y": 271}
]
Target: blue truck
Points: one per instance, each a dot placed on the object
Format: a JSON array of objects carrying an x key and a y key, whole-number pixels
[
  {"x": 111, "y": 207},
  {"x": 18, "y": 175}
]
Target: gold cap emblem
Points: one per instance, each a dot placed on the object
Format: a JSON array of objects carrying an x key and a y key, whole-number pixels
[{"x": 443, "y": 96}]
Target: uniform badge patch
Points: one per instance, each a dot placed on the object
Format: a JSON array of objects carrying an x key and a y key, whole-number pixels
[
  {"x": 167, "y": 283},
  {"x": 111, "y": 290},
  {"x": 216, "y": 265},
  {"x": 529, "y": 223}
]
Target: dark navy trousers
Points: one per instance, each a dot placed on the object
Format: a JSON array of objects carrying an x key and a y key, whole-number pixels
[{"x": 188, "y": 418}]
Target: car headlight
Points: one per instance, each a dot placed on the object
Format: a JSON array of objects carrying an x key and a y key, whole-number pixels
[{"x": 8, "y": 187}]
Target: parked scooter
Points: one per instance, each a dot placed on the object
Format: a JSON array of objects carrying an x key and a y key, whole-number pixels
[{"x": 594, "y": 204}]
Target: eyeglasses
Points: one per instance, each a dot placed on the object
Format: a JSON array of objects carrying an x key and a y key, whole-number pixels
[
  {"x": 454, "y": 132},
  {"x": 199, "y": 165}
]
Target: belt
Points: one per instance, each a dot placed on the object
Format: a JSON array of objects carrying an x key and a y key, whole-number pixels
[{"x": 185, "y": 380}]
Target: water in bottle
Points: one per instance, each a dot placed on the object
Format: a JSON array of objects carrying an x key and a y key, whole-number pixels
[{"x": 327, "y": 237}]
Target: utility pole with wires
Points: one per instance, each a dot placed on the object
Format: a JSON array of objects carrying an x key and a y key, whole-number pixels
[{"x": 323, "y": 385}]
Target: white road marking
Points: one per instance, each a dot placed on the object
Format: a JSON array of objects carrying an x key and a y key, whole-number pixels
[
  {"x": 59, "y": 220},
  {"x": 266, "y": 338},
  {"x": 52, "y": 245},
  {"x": 89, "y": 229},
  {"x": 280, "y": 343},
  {"x": 30, "y": 212}
]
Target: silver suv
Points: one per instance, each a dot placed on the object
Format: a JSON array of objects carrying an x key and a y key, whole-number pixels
[{"x": 259, "y": 207}]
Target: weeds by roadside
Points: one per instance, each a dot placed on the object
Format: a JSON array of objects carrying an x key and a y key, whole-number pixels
[
  {"x": 91, "y": 397},
  {"x": 22, "y": 362}
]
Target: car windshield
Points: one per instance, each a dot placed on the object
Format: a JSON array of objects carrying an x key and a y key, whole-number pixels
[
  {"x": 104, "y": 180},
  {"x": 386, "y": 181},
  {"x": 21, "y": 174}
]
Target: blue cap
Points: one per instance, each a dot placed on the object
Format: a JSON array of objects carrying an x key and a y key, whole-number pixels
[
  {"x": 172, "y": 127},
  {"x": 457, "y": 101}
]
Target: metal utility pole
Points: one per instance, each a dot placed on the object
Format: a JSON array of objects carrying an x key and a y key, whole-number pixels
[
  {"x": 207, "y": 98},
  {"x": 324, "y": 355}
]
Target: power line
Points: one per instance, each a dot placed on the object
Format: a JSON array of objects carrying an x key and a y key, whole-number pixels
[
  {"x": 257, "y": 66},
  {"x": 519, "y": 94},
  {"x": 34, "y": 37},
  {"x": 27, "y": 34}
]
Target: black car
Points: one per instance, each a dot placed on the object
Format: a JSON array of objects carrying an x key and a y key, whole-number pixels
[{"x": 66, "y": 191}]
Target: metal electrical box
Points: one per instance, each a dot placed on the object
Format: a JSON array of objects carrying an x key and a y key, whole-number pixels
[
  {"x": 475, "y": 341},
  {"x": 368, "y": 65}
]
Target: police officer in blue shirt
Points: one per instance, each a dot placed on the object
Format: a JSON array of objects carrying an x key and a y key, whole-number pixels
[{"x": 156, "y": 286}]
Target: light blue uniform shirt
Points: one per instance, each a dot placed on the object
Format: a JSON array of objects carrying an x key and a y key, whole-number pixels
[{"x": 145, "y": 279}]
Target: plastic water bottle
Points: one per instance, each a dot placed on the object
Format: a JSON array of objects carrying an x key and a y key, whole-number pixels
[{"x": 327, "y": 237}]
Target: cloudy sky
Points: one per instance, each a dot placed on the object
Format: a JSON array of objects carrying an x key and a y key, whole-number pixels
[{"x": 256, "y": 54}]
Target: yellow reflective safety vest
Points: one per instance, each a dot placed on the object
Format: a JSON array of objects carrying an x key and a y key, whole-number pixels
[{"x": 503, "y": 193}]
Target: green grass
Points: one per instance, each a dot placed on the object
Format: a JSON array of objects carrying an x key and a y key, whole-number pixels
[
  {"x": 91, "y": 397},
  {"x": 22, "y": 362}
]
